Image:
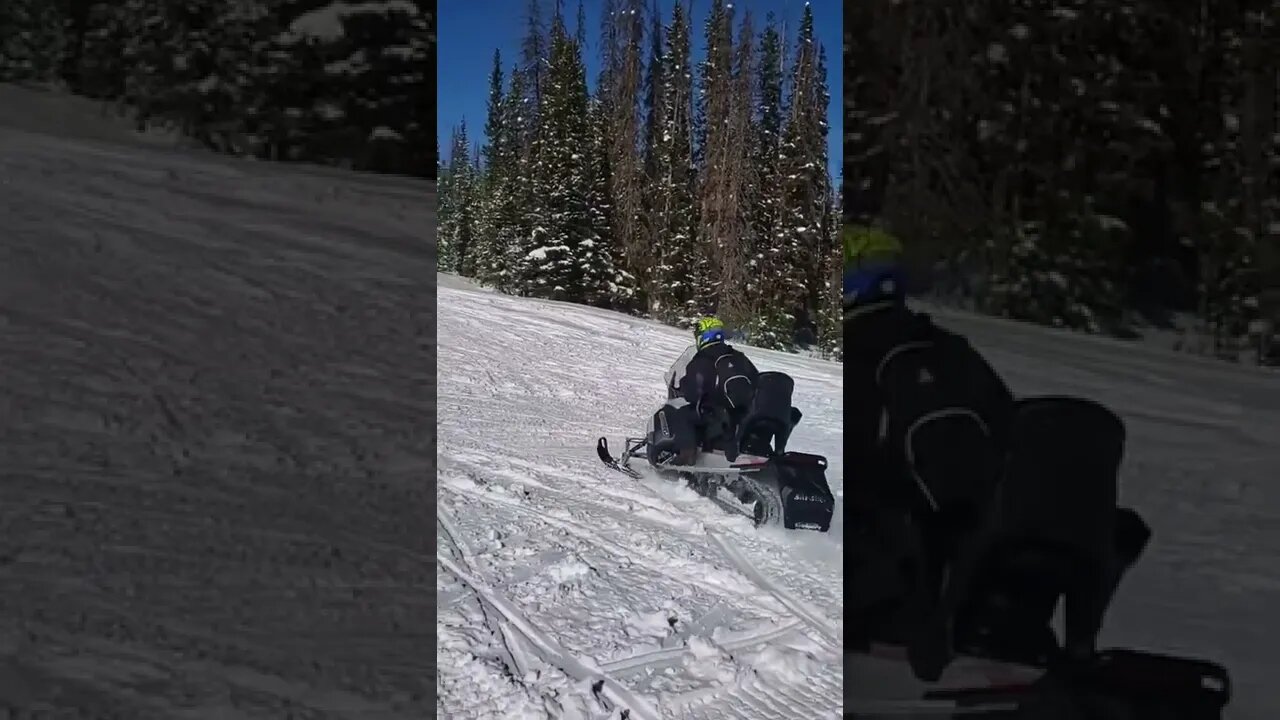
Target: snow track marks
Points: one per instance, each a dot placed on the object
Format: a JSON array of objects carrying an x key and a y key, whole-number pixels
[
  {"x": 552, "y": 652},
  {"x": 795, "y": 605}
]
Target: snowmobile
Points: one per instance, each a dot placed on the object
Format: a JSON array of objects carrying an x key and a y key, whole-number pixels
[
  {"x": 1056, "y": 537},
  {"x": 749, "y": 459},
  {"x": 1116, "y": 684}
]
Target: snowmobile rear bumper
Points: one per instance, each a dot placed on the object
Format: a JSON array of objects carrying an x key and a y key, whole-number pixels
[{"x": 807, "y": 502}]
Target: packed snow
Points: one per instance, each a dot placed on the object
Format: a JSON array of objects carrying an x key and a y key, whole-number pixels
[
  {"x": 215, "y": 429},
  {"x": 568, "y": 590},
  {"x": 1202, "y": 463},
  {"x": 326, "y": 23}
]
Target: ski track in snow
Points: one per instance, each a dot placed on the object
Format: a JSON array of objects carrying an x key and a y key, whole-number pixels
[
  {"x": 214, "y": 463},
  {"x": 567, "y": 589},
  {"x": 1202, "y": 463}
]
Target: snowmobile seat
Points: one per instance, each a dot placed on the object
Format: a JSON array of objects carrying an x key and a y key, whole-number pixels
[
  {"x": 1057, "y": 532},
  {"x": 1061, "y": 477},
  {"x": 769, "y": 419}
]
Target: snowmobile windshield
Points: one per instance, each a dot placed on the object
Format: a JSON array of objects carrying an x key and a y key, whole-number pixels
[{"x": 674, "y": 375}]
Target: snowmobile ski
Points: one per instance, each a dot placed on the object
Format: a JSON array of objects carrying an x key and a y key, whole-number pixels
[{"x": 624, "y": 467}]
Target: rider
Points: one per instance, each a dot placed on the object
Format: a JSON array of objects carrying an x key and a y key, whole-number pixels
[
  {"x": 709, "y": 388},
  {"x": 925, "y": 428}
]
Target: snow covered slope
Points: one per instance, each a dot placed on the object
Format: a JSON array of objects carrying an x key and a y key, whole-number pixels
[
  {"x": 568, "y": 590},
  {"x": 214, "y": 465},
  {"x": 1203, "y": 466}
]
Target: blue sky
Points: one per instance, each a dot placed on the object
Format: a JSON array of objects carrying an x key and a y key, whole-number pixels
[{"x": 470, "y": 30}]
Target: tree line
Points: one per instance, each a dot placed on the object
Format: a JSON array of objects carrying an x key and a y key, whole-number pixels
[
  {"x": 323, "y": 81},
  {"x": 667, "y": 190},
  {"x": 1085, "y": 163}
]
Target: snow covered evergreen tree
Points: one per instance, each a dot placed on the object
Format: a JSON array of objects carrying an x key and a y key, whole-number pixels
[
  {"x": 494, "y": 204},
  {"x": 717, "y": 211},
  {"x": 560, "y": 266},
  {"x": 607, "y": 284},
  {"x": 675, "y": 181},
  {"x": 533, "y": 59},
  {"x": 101, "y": 64},
  {"x": 32, "y": 40},
  {"x": 764, "y": 258},
  {"x": 653, "y": 100},
  {"x": 457, "y": 227},
  {"x": 804, "y": 182},
  {"x": 830, "y": 310},
  {"x": 742, "y": 185},
  {"x": 445, "y": 259},
  {"x": 622, "y": 86}
]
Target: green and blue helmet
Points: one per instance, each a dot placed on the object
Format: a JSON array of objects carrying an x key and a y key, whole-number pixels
[
  {"x": 708, "y": 330},
  {"x": 872, "y": 266}
]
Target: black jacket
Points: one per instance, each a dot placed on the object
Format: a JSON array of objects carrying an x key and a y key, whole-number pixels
[
  {"x": 718, "y": 377},
  {"x": 899, "y": 369}
]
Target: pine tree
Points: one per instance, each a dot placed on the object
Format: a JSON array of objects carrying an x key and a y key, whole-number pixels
[
  {"x": 387, "y": 81},
  {"x": 609, "y": 52},
  {"x": 868, "y": 112},
  {"x": 741, "y": 182},
  {"x": 623, "y": 85},
  {"x": 717, "y": 208},
  {"x": 533, "y": 61},
  {"x": 653, "y": 96},
  {"x": 1228, "y": 240},
  {"x": 101, "y": 67},
  {"x": 764, "y": 260},
  {"x": 521, "y": 222},
  {"x": 462, "y": 217},
  {"x": 580, "y": 29},
  {"x": 815, "y": 275},
  {"x": 804, "y": 182},
  {"x": 675, "y": 219},
  {"x": 606, "y": 284},
  {"x": 830, "y": 310},
  {"x": 33, "y": 41},
  {"x": 445, "y": 260},
  {"x": 559, "y": 268},
  {"x": 499, "y": 159}
]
